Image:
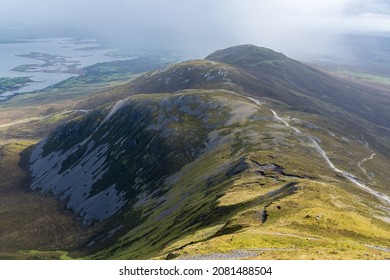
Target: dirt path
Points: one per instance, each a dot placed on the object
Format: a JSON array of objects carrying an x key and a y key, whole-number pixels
[
  {"x": 27, "y": 120},
  {"x": 371, "y": 157},
  {"x": 21, "y": 121},
  {"x": 352, "y": 178},
  {"x": 234, "y": 254},
  {"x": 360, "y": 163}
]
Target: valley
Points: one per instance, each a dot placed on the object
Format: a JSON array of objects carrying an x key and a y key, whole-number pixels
[{"x": 130, "y": 162}]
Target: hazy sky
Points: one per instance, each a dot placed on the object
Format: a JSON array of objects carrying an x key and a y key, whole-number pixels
[{"x": 285, "y": 25}]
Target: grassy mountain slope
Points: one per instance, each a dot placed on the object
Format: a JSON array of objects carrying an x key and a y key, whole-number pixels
[
  {"x": 29, "y": 221},
  {"x": 184, "y": 162},
  {"x": 308, "y": 89}
]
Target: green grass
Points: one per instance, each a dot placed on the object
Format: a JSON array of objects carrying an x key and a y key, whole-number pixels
[
  {"x": 308, "y": 226},
  {"x": 108, "y": 72},
  {"x": 11, "y": 84},
  {"x": 35, "y": 255},
  {"x": 363, "y": 76},
  {"x": 31, "y": 222}
]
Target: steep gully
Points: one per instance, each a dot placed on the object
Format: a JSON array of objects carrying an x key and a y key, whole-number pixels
[{"x": 352, "y": 178}]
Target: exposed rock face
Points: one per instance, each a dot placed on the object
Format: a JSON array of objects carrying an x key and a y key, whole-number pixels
[
  {"x": 264, "y": 216},
  {"x": 100, "y": 163}
]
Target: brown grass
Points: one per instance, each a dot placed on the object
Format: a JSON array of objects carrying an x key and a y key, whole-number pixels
[{"x": 31, "y": 221}]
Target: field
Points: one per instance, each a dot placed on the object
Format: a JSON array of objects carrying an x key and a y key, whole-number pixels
[{"x": 11, "y": 84}]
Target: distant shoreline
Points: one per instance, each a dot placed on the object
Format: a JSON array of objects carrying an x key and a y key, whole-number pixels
[{"x": 45, "y": 62}]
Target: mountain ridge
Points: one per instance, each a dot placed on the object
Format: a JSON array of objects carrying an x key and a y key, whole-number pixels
[{"x": 207, "y": 145}]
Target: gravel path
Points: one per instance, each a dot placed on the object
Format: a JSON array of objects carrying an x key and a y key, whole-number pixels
[
  {"x": 233, "y": 255},
  {"x": 383, "y": 249}
]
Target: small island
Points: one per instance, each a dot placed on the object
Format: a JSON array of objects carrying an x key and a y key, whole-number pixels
[
  {"x": 12, "y": 84},
  {"x": 51, "y": 64}
]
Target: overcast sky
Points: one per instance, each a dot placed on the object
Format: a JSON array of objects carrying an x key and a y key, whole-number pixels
[{"x": 285, "y": 25}]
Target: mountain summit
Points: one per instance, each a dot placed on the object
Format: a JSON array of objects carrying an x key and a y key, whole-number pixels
[{"x": 245, "y": 55}]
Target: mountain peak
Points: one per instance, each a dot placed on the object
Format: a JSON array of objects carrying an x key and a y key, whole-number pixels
[{"x": 245, "y": 55}]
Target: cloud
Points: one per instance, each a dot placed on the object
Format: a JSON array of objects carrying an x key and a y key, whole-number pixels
[{"x": 286, "y": 25}]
